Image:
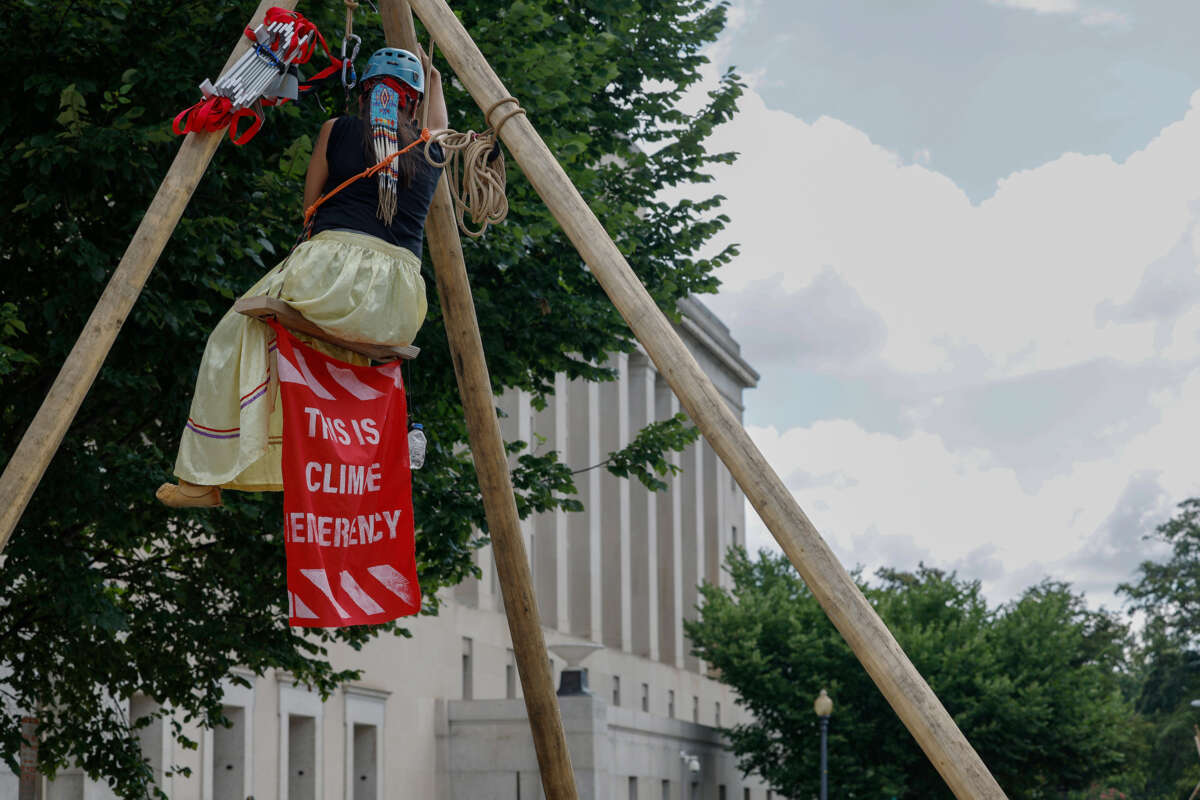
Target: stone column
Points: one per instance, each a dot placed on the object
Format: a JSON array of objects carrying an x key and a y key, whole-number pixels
[
  {"x": 524, "y": 418},
  {"x": 614, "y": 511},
  {"x": 549, "y": 552},
  {"x": 669, "y": 523},
  {"x": 643, "y": 518},
  {"x": 584, "y": 529},
  {"x": 516, "y": 424},
  {"x": 715, "y": 529},
  {"x": 693, "y": 534},
  {"x": 735, "y": 518},
  {"x": 484, "y": 592}
]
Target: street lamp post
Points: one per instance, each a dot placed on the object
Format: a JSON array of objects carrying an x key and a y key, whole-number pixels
[{"x": 824, "y": 707}]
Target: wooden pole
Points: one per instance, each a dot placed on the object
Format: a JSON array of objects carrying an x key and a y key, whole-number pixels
[
  {"x": 874, "y": 645},
  {"x": 491, "y": 465},
  {"x": 37, "y": 447}
]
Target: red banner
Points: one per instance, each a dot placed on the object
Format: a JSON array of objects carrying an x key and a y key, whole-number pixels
[{"x": 347, "y": 499}]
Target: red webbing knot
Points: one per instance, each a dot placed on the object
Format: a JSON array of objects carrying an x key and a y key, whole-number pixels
[
  {"x": 303, "y": 27},
  {"x": 214, "y": 113},
  {"x": 248, "y": 134}
]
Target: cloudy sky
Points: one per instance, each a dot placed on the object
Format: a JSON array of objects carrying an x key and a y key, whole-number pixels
[{"x": 970, "y": 232}]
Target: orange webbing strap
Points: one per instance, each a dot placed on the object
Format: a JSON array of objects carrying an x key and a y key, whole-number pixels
[{"x": 366, "y": 173}]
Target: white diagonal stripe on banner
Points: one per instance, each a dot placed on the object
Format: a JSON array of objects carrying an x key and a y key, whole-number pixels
[
  {"x": 350, "y": 382},
  {"x": 360, "y": 597},
  {"x": 299, "y": 610},
  {"x": 321, "y": 581},
  {"x": 392, "y": 370},
  {"x": 288, "y": 372},
  {"x": 396, "y": 583},
  {"x": 310, "y": 379}
]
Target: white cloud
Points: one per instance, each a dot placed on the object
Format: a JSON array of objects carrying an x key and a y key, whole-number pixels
[
  {"x": 823, "y": 325},
  {"x": 1081, "y": 270},
  {"x": 885, "y": 500},
  {"x": 1092, "y": 17},
  {"x": 1019, "y": 276},
  {"x": 1106, "y": 19},
  {"x": 738, "y": 13},
  {"x": 1041, "y": 6}
]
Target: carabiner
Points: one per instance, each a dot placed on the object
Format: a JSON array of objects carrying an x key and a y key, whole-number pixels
[{"x": 349, "y": 81}]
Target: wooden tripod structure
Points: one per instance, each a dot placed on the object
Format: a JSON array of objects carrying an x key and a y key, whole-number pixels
[{"x": 907, "y": 692}]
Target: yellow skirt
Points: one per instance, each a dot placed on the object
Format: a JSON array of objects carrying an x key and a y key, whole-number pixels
[{"x": 354, "y": 286}]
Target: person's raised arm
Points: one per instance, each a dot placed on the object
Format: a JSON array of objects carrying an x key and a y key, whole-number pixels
[
  {"x": 437, "y": 117},
  {"x": 318, "y": 167}
]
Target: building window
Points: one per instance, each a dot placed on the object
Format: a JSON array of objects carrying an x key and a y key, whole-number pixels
[
  {"x": 365, "y": 760},
  {"x": 364, "y": 716},
  {"x": 510, "y": 677},
  {"x": 666, "y": 790},
  {"x": 770, "y": 795},
  {"x": 229, "y": 747},
  {"x": 616, "y": 690},
  {"x": 645, "y": 697},
  {"x": 721, "y": 792},
  {"x": 746, "y": 793},
  {"x": 695, "y": 708},
  {"x": 632, "y": 788},
  {"x": 228, "y": 757},
  {"x": 468, "y": 677},
  {"x": 302, "y": 757},
  {"x": 300, "y": 719},
  {"x": 735, "y": 539},
  {"x": 671, "y": 703},
  {"x": 717, "y": 714},
  {"x": 155, "y": 739}
]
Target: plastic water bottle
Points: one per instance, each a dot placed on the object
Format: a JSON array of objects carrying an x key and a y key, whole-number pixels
[{"x": 416, "y": 446}]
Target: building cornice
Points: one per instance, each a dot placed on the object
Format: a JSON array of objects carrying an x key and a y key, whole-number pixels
[{"x": 709, "y": 333}]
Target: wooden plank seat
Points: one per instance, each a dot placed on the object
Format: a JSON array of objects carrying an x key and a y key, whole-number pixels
[{"x": 262, "y": 307}]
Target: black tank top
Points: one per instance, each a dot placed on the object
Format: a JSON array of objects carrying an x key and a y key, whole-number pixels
[{"x": 353, "y": 208}]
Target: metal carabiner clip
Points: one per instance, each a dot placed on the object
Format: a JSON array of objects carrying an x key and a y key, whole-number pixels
[{"x": 349, "y": 81}]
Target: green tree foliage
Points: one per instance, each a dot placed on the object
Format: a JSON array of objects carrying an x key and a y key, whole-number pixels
[
  {"x": 1168, "y": 678},
  {"x": 103, "y": 592},
  {"x": 1169, "y": 593},
  {"x": 1033, "y": 683}
]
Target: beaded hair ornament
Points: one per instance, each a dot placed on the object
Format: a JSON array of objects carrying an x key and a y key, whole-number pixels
[{"x": 388, "y": 99}]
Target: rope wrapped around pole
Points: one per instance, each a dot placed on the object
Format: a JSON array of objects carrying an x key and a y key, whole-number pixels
[
  {"x": 475, "y": 167},
  {"x": 476, "y": 170}
]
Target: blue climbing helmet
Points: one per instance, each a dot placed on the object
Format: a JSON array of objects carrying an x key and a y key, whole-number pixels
[{"x": 396, "y": 63}]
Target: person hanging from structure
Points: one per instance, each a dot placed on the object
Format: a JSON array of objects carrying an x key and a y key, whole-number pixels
[{"x": 358, "y": 278}]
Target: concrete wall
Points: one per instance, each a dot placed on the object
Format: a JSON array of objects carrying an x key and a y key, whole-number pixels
[{"x": 617, "y": 753}]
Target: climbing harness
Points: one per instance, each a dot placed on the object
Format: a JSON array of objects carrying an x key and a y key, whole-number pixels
[
  {"x": 267, "y": 74},
  {"x": 311, "y": 211}
]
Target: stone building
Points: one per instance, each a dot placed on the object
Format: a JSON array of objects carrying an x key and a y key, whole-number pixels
[{"x": 440, "y": 715}]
